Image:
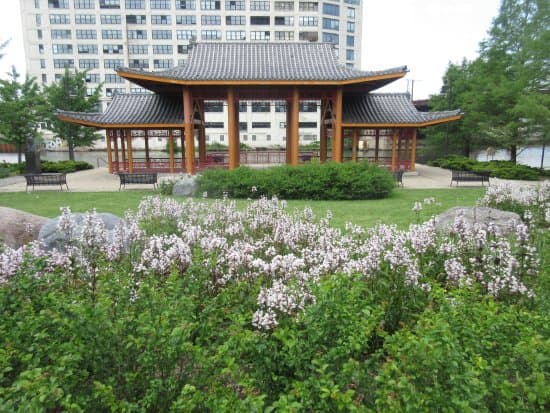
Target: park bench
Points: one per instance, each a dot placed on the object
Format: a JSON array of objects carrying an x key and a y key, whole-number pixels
[
  {"x": 470, "y": 176},
  {"x": 137, "y": 178},
  {"x": 46, "y": 179}
]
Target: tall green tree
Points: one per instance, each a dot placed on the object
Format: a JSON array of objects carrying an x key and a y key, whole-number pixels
[
  {"x": 71, "y": 93},
  {"x": 21, "y": 110}
]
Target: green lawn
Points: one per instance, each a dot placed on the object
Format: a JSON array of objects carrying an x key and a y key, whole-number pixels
[{"x": 395, "y": 210}]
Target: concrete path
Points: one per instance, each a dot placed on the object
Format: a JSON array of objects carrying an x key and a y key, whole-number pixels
[{"x": 99, "y": 180}]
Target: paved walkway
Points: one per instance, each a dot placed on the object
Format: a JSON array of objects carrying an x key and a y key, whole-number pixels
[{"x": 99, "y": 180}]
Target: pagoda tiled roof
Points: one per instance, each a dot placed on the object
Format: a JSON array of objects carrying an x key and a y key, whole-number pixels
[
  {"x": 308, "y": 61},
  {"x": 134, "y": 109},
  {"x": 389, "y": 109}
]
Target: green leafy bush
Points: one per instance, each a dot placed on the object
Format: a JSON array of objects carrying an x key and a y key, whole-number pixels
[
  {"x": 65, "y": 166},
  {"x": 312, "y": 181}
]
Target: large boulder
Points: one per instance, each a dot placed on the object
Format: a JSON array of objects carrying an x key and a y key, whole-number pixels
[
  {"x": 504, "y": 220},
  {"x": 52, "y": 238},
  {"x": 18, "y": 227},
  {"x": 185, "y": 186}
]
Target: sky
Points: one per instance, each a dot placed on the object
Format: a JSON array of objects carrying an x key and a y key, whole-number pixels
[{"x": 424, "y": 35}]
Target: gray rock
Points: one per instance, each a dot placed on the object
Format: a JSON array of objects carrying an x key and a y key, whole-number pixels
[
  {"x": 52, "y": 238},
  {"x": 185, "y": 186},
  {"x": 18, "y": 227},
  {"x": 504, "y": 220}
]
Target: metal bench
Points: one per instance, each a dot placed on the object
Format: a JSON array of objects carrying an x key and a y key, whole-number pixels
[
  {"x": 137, "y": 178},
  {"x": 46, "y": 179},
  {"x": 470, "y": 176}
]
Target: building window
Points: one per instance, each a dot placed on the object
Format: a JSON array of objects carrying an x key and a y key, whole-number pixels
[
  {"x": 62, "y": 48},
  {"x": 308, "y": 21},
  {"x": 268, "y": 137},
  {"x": 284, "y": 5},
  {"x": 113, "y": 78},
  {"x": 113, "y": 63},
  {"x": 160, "y": 4},
  {"x": 259, "y": 35},
  {"x": 331, "y": 24},
  {"x": 162, "y": 63},
  {"x": 110, "y": 91},
  {"x": 88, "y": 64},
  {"x": 284, "y": 21},
  {"x": 216, "y": 125},
  {"x": 58, "y": 4},
  {"x": 243, "y": 107},
  {"x": 39, "y": 34},
  {"x": 331, "y": 9},
  {"x": 60, "y": 34},
  {"x": 84, "y": 4},
  {"x": 222, "y": 138},
  {"x": 186, "y": 20},
  {"x": 137, "y": 34},
  {"x": 307, "y": 124},
  {"x": 308, "y": 36},
  {"x": 213, "y": 106},
  {"x": 41, "y": 48},
  {"x": 138, "y": 63},
  {"x": 60, "y": 19},
  {"x": 162, "y": 34},
  {"x": 136, "y": 19},
  {"x": 308, "y": 106},
  {"x": 110, "y": 19},
  {"x": 351, "y": 27},
  {"x": 161, "y": 19},
  {"x": 280, "y": 106},
  {"x": 351, "y": 13},
  {"x": 185, "y": 4},
  {"x": 111, "y": 34},
  {"x": 330, "y": 38},
  {"x": 36, "y": 4},
  {"x": 235, "y": 20},
  {"x": 284, "y": 36},
  {"x": 38, "y": 20},
  {"x": 350, "y": 41},
  {"x": 186, "y": 34},
  {"x": 260, "y": 106},
  {"x": 234, "y": 5},
  {"x": 44, "y": 78},
  {"x": 109, "y": 4},
  {"x": 112, "y": 49},
  {"x": 350, "y": 54},
  {"x": 308, "y": 6},
  {"x": 259, "y": 5},
  {"x": 183, "y": 49},
  {"x": 138, "y": 49},
  {"x": 92, "y": 78},
  {"x": 208, "y": 20},
  {"x": 259, "y": 20},
  {"x": 84, "y": 19},
  {"x": 243, "y": 126},
  {"x": 235, "y": 35},
  {"x": 86, "y": 34},
  {"x": 63, "y": 63},
  {"x": 87, "y": 48},
  {"x": 135, "y": 4},
  {"x": 282, "y": 125},
  {"x": 261, "y": 125},
  {"x": 42, "y": 63},
  {"x": 163, "y": 49},
  {"x": 356, "y": 2},
  {"x": 210, "y": 5},
  {"x": 211, "y": 34}
]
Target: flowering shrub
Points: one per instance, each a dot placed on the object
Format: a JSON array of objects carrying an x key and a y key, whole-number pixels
[{"x": 201, "y": 306}]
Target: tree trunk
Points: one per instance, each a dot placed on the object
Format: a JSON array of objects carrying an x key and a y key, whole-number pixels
[
  {"x": 542, "y": 155},
  {"x": 19, "y": 152},
  {"x": 71, "y": 149},
  {"x": 513, "y": 153},
  {"x": 466, "y": 149}
]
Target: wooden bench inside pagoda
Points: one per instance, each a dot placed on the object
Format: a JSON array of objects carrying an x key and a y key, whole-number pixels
[
  {"x": 470, "y": 176},
  {"x": 46, "y": 179},
  {"x": 127, "y": 178}
]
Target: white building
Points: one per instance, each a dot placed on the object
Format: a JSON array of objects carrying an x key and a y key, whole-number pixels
[{"x": 100, "y": 35}]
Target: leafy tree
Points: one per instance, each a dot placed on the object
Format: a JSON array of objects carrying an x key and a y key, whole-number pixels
[
  {"x": 70, "y": 93},
  {"x": 21, "y": 109}
]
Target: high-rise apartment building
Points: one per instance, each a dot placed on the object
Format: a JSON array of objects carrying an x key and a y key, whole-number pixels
[{"x": 100, "y": 35}]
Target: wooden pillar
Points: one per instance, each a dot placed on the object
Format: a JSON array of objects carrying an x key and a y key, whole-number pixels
[
  {"x": 182, "y": 144},
  {"x": 292, "y": 127},
  {"x": 128, "y": 134},
  {"x": 288, "y": 149},
  {"x": 376, "y": 145},
  {"x": 122, "y": 148},
  {"x": 202, "y": 134},
  {"x": 233, "y": 129},
  {"x": 109, "y": 154},
  {"x": 115, "y": 136},
  {"x": 394, "y": 150},
  {"x": 323, "y": 132},
  {"x": 354, "y": 144},
  {"x": 147, "y": 155},
  {"x": 413, "y": 151},
  {"x": 171, "y": 149},
  {"x": 337, "y": 140},
  {"x": 189, "y": 132}
]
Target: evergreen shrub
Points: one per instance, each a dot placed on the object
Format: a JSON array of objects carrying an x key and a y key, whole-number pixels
[
  {"x": 330, "y": 181},
  {"x": 65, "y": 166}
]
